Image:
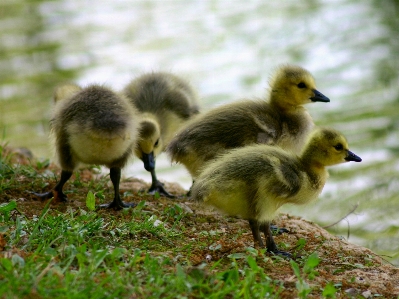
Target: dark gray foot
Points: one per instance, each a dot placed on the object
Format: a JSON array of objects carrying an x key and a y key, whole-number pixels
[
  {"x": 270, "y": 244},
  {"x": 158, "y": 187},
  {"x": 278, "y": 230},
  {"x": 281, "y": 253},
  {"x": 57, "y": 193},
  {"x": 117, "y": 205},
  {"x": 58, "y": 196}
]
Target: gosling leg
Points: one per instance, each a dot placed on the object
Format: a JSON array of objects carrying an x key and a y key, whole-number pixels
[
  {"x": 117, "y": 203},
  {"x": 254, "y": 225},
  {"x": 157, "y": 186},
  {"x": 57, "y": 193},
  {"x": 270, "y": 244}
]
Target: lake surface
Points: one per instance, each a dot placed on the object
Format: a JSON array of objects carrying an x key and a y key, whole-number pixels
[{"x": 228, "y": 50}]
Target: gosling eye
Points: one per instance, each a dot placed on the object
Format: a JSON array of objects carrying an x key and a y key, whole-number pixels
[
  {"x": 156, "y": 143},
  {"x": 301, "y": 85},
  {"x": 339, "y": 147}
]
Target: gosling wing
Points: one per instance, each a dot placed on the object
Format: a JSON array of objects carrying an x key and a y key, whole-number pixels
[{"x": 283, "y": 178}]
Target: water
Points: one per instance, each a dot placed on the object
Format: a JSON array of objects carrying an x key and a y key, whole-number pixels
[{"x": 227, "y": 49}]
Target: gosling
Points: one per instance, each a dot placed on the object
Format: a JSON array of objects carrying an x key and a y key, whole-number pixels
[
  {"x": 92, "y": 125},
  {"x": 254, "y": 182},
  {"x": 282, "y": 121},
  {"x": 165, "y": 102}
]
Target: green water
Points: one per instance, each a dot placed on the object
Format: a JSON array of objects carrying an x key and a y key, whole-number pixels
[{"x": 228, "y": 50}]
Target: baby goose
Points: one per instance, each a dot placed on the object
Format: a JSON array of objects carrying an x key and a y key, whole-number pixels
[
  {"x": 282, "y": 121},
  {"x": 165, "y": 102},
  {"x": 254, "y": 181},
  {"x": 92, "y": 125}
]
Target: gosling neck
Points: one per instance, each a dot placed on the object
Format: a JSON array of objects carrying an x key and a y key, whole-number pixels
[
  {"x": 315, "y": 169},
  {"x": 278, "y": 101}
]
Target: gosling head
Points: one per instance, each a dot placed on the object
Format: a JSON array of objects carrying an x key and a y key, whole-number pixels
[
  {"x": 328, "y": 147},
  {"x": 65, "y": 91},
  {"x": 149, "y": 144},
  {"x": 293, "y": 86}
]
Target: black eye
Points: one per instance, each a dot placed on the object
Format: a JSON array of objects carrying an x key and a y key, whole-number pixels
[
  {"x": 156, "y": 143},
  {"x": 339, "y": 147},
  {"x": 301, "y": 85}
]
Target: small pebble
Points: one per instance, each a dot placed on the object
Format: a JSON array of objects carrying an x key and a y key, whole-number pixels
[
  {"x": 351, "y": 291},
  {"x": 367, "y": 294},
  {"x": 157, "y": 222},
  {"x": 208, "y": 258}
]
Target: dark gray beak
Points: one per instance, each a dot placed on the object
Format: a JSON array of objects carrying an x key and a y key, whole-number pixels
[
  {"x": 319, "y": 97},
  {"x": 352, "y": 157},
  {"x": 149, "y": 161}
]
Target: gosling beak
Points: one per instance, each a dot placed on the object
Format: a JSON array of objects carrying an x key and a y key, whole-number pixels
[
  {"x": 352, "y": 157},
  {"x": 149, "y": 161},
  {"x": 319, "y": 97}
]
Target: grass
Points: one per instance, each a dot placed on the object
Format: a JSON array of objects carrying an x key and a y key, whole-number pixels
[
  {"x": 78, "y": 252},
  {"x": 160, "y": 249}
]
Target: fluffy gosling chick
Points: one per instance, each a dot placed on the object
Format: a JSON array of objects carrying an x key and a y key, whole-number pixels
[
  {"x": 92, "y": 125},
  {"x": 281, "y": 120},
  {"x": 254, "y": 182},
  {"x": 166, "y": 102}
]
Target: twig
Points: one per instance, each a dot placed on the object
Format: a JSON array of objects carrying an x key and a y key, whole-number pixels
[
  {"x": 349, "y": 229},
  {"x": 350, "y": 212},
  {"x": 381, "y": 257}
]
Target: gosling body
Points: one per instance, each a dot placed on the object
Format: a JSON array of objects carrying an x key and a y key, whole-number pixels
[
  {"x": 254, "y": 182},
  {"x": 166, "y": 102},
  {"x": 281, "y": 120},
  {"x": 92, "y": 125}
]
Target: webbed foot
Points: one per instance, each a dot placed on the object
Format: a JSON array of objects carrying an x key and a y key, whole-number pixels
[
  {"x": 158, "y": 187},
  {"x": 281, "y": 253},
  {"x": 43, "y": 196},
  {"x": 278, "y": 230},
  {"x": 58, "y": 196},
  {"x": 117, "y": 205}
]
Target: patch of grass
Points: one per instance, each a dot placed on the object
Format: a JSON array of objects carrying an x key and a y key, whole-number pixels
[
  {"x": 309, "y": 272},
  {"x": 78, "y": 252}
]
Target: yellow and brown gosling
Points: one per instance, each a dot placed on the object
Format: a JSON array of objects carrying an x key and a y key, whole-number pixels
[
  {"x": 279, "y": 120},
  {"x": 253, "y": 182},
  {"x": 92, "y": 125},
  {"x": 165, "y": 102}
]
